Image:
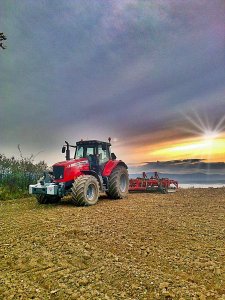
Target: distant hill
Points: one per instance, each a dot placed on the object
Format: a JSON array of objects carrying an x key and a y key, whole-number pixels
[{"x": 188, "y": 178}]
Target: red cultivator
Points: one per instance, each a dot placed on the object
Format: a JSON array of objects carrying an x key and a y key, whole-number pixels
[{"x": 144, "y": 184}]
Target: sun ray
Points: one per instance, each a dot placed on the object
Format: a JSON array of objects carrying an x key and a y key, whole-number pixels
[
  {"x": 194, "y": 123},
  {"x": 202, "y": 125},
  {"x": 220, "y": 126},
  {"x": 189, "y": 130}
]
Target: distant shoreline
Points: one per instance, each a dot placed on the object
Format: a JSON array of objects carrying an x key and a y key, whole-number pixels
[{"x": 201, "y": 185}]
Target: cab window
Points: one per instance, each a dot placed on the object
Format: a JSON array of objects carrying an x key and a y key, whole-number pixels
[
  {"x": 84, "y": 151},
  {"x": 103, "y": 154},
  {"x": 79, "y": 152}
]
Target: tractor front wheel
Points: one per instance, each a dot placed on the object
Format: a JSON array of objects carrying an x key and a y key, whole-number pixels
[
  {"x": 118, "y": 183},
  {"x": 42, "y": 199},
  {"x": 85, "y": 191},
  {"x": 45, "y": 199}
]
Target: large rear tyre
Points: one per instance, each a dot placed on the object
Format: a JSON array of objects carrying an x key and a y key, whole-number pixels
[
  {"x": 85, "y": 191},
  {"x": 118, "y": 183},
  {"x": 45, "y": 199}
]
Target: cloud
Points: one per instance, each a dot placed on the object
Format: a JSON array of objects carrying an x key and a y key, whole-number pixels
[{"x": 129, "y": 69}]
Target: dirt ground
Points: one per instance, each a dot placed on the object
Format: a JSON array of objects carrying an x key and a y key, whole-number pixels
[{"x": 148, "y": 246}]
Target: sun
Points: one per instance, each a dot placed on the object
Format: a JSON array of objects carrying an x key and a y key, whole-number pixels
[
  {"x": 210, "y": 135},
  {"x": 207, "y": 142},
  {"x": 210, "y": 138}
]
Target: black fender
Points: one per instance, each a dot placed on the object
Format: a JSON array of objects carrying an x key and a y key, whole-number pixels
[{"x": 121, "y": 163}]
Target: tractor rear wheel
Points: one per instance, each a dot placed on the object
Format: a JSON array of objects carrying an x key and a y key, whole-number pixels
[
  {"x": 45, "y": 199},
  {"x": 118, "y": 183},
  {"x": 85, "y": 191}
]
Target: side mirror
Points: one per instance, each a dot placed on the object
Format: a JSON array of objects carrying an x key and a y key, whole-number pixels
[
  {"x": 113, "y": 156},
  {"x": 63, "y": 149}
]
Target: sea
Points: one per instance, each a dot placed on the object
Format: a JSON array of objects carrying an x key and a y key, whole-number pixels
[{"x": 201, "y": 185}]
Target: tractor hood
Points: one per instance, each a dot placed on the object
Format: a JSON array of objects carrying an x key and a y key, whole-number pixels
[
  {"x": 72, "y": 163},
  {"x": 67, "y": 170}
]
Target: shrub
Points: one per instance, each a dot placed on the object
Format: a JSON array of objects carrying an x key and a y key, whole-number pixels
[{"x": 17, "y": 174}]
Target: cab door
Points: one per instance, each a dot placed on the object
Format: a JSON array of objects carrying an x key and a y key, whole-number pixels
[{"x": 103, "y": 156}]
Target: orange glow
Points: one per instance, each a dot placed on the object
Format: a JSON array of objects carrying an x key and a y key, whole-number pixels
[
  {"x": 208, "y": 147},
  {"x": 210, "y": 150}
]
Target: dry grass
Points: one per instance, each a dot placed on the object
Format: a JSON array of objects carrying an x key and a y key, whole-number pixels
[{"x": 148, "y": 246}]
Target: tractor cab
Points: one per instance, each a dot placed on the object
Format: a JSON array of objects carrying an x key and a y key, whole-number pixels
[
  {"x": 93, "y": 150},
  {"x": 97, "y": 152}
]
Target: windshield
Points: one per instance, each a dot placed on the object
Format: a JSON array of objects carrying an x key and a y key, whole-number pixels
[{"x": 84, "y": 151}]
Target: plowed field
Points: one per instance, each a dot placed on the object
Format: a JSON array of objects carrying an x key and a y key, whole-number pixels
[{"x": 148, "y": 246}]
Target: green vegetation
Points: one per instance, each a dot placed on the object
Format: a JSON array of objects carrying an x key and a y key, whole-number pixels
[{"x": 17, "y": 173}]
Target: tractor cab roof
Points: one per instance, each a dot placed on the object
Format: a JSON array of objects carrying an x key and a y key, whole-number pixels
[{"x": 92, "y": 142}]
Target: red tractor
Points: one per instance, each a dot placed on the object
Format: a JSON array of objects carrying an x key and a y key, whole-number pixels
[{"x": 93, "y": 169}]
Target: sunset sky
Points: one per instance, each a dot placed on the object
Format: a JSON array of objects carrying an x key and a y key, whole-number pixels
[{"x": 149, "y": 74}]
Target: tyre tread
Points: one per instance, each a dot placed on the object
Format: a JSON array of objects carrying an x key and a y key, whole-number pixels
[
  {"x": 114, "y": 190},
  {"x": 78, "y": 196}
]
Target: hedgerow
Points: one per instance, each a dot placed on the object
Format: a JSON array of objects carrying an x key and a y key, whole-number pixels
[{"x": 17, "y": 173}]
